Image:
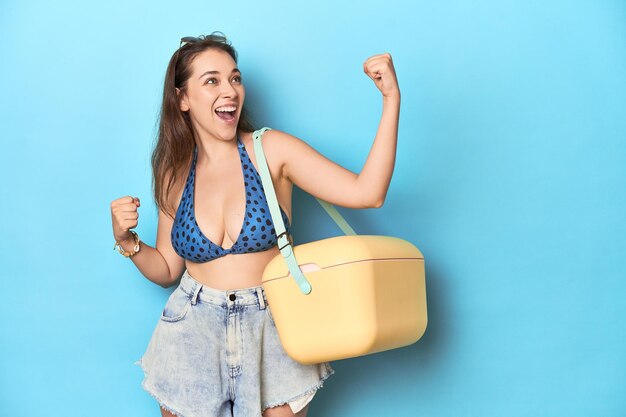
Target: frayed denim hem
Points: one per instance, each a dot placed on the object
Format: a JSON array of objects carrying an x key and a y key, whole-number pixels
[
  {"x": 152, "y": 393},
  {"x": 308, "y": 391}
]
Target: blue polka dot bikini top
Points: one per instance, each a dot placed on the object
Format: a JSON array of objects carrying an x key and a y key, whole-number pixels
[{"x": 257, "y": 233}]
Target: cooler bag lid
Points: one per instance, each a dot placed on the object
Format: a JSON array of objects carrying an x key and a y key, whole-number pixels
[{"x": 341, "y": 250}]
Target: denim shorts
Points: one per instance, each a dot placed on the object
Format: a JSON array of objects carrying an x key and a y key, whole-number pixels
[{"x": 217, "y": 353}]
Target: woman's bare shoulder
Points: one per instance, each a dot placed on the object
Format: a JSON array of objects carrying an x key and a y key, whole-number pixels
[{"x": 275, "y": 144}]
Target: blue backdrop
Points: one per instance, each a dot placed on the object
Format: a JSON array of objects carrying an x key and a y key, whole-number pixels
[{"x": 510, "y": 177}]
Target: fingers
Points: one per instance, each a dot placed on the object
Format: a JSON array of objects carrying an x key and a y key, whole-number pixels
[
  {"x": 380, "y": 69},
  {"x": 128, "y": 216},
  {"x": 124, "y": 216},
  {"x": 386, "y": 57},
  {"x": 126, "y": 203},
  {"x": 378, "y": 57},
  {"x": 376, "y": 65},
  {"x": 128, "y": 224}
]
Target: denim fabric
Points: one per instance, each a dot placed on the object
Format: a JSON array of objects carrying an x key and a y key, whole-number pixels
[{"x": 217, "y": 353}]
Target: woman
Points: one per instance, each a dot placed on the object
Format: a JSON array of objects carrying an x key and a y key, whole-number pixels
[{"x": 215, "y": 350}]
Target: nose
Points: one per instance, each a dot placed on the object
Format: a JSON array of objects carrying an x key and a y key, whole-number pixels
[{"x": 228, "y": 90}]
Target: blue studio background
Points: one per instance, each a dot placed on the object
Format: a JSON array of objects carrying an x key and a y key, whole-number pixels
[{"x": 510, "y": 177}]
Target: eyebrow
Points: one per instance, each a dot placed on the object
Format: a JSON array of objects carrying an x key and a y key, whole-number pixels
[{"x": 217, "y": 72}]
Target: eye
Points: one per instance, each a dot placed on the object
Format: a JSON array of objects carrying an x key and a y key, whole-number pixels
[
  {"x": 237, "y": 78},
  {"x": 208, "y": 81}
]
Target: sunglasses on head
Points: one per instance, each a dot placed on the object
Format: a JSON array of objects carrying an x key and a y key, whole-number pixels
[{"x": 193, "y": 39}]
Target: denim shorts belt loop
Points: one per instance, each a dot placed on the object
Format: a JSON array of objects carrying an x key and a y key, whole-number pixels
[{"x": 218, "y": 353}]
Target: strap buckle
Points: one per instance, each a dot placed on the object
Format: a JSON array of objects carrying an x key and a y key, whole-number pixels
[{"x": 289, "y": 240}]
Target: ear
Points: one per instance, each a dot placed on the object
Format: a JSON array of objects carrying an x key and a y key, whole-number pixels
[{"x": 182, "y": 100}]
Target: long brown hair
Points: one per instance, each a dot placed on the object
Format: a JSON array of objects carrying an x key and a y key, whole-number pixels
[{"x": 175, "y": 140}]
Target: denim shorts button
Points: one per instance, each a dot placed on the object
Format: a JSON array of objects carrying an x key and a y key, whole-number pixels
[{"x": 232, "y": 297}]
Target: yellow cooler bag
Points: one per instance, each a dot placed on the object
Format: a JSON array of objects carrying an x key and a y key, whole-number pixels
[{"x": 345, "y": 296}]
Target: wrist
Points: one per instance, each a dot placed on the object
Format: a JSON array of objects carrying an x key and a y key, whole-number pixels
[
  {"x": 129, "y": 246},
  {"x": 393, "y": 98}
]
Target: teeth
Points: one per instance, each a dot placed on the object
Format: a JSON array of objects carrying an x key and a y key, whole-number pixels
[{"x": 226, "y": 108}]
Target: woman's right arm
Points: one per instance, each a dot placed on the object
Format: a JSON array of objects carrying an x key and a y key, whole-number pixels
[{"x": 161, "y": 265}]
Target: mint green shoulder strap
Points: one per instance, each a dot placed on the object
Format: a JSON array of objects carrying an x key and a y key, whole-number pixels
[
  {"x": 284, "y": 241},
  {"x": 338, "y": 218}
]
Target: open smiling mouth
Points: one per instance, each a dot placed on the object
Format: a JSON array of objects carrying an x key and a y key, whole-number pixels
[{"x": 226, "y": 113}]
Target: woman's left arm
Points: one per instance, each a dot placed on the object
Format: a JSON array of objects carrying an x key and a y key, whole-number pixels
[{"x": 323, "y": 178}]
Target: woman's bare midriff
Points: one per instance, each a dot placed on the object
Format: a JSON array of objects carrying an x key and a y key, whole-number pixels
[{"x": 233, "y": 271}]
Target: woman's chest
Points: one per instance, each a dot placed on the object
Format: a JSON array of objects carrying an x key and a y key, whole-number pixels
[{"x": 228, "y": 197}]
